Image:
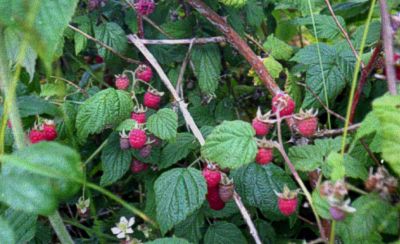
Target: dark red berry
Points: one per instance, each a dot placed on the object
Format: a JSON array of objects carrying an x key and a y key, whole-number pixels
[
  {"x": 264, "y": 156},
  {"x": 212, "y": 176},
  {"x": 137, "y": 166},
  {"x": 36, "y": 136},
  {"x": 145, "y": 151},
  {"x": 152, "y": 100},
  {"x": 144, "y": 73},
  {"x": 284, "y": 103},
  {"x": 287, "y": 206},
  {"x": 49, "y": 131},
  {"x": 139, "y": 117},
  {"x": 260, "y": 127},
  {"x": 214, "y": 200},
  {"x": 145, "y": 7},
  {"x": 137, "y": 138}
]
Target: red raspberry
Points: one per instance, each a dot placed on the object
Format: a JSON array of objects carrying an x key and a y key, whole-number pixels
[
  {"x": 122, "y": 82},
  {"x": 137, "y": 166},
  {"x": 283, "y": 102},
  {"x": 212, "y": 176},
  {"x": 49, "y": 130},
  {"x": 307, "y": 127},
  {"x": 264, "y": 156},
  {"x": 137, "y": 138},
  {"x": 36, "y": 136},
  {"x": 337, "y": 213},
  {"x": 214, "y": 200},
  {"x": 139, "y": 117},
  {"x": 145, "y": 7},
  {"x": 151, "y": 100},
  {"x": 260, "y": 127},
  {"x": 9, "y": 125},
  {"x": 98, "y": 59},
  {"x": 144, "y": 73},
  {"x": 287, "y": 206}
]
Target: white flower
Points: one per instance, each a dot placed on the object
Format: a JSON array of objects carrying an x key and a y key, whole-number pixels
[{"x": 123, "y": 227}]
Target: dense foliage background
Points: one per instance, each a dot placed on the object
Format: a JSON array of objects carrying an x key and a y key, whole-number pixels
[{"x": 58, "y": 65}]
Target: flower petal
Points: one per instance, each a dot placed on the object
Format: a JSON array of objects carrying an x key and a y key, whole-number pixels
[
  {"x": 123, "y": 220},
  {"x": 129, "y": 231},
  {"x": 121, "y": 235},
  {"x": 115, "y": 230},
  {"x": 131, "y": 221}
]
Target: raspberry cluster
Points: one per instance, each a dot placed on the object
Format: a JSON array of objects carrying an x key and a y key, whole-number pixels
[{"x": 45, "y": 131}]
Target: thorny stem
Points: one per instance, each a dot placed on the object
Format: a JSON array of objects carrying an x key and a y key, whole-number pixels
[
  {"x": 297, "y": 177},
  {"x": 387, "y": 35}
]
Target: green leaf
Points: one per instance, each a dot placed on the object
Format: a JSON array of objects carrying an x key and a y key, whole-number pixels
[
  {"x": 13, "y": 41},
  {"x": 273, "y": 66},
  {"x": 231, "y": 144},
  {"x": 115, "y": 162},
  {"x": 373, "y": 36},
  {"x": 254, "y": 13},
  {"x": 325, "y": 25},
  {"x": 179, "y": 192},
  {"x": 6, "y": 232},
  {"x": 172, "y": 240},
  {"x": 163, "y": 124},
  {"x": 23, "y": 224},
  {"x": 387, "y": 109},
  {"x": 106, "y": 108},
  {"x": 177, "y": 149},
  {"x": 33, "y": 105},
  {"x": 207, "y": 62},
  {"x": 354, "y": 168},
  {"x": 179, "y": 29},
  {"x": 37, "y": 177},
  {"x": 190, "y": 228},
  {"x": 52, "y": 18},
  {"x": 277, "y": 48},
  {"x": 369, "y": 125},
  {"x": 80, "y": 40},
  {"x": 113, "y": 35},
  {"x": 229, "y": 210},
  {"x": 223, "y": 232},
  {"x": 335, "y": 162},
  {"x": 321, "y": 205},
  {"x": 257, "y": 185},
  {"x": 127, "y": 125}
]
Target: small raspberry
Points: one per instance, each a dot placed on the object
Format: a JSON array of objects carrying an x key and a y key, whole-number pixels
[
  {"x": 214, "y": 200},
  {"x": 124, "y": 141},
  {"x": 287, "y": 201},
  {"x": 212, "y": 176},
  {"x": 137, "y": 166},
  {"x": 98, "y": 59},
  {"x": 152, "y": 100},
  {"x": 139, "y": 117},
  {"x": 137, "y": 138},
  {"x": 145, "y": 7},
  {"x": 144, "y": 73},
  {"x": 337, "y": 213},
  {"x": 260, "y": 127},
  {"x": 122, "y": 82},
  {"x": 264, "y": 156},
  {"x": 306, "y": 122},
  {"x": 36, "y": 136},
  {"x": 145, "y": 151},
  {"x": 49, "y": 130},
  {"x": 284, "y": 103}
]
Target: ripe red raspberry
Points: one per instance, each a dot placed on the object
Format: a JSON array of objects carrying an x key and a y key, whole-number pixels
[
  {"x": 36, "y": 136},
  {"x": 260, "y": 127},
  {"x": 152, "y": 100},
  {"x": 307, "y": 127},
  {"x": 137, "y": 138},
  {"x": 284, "y": 103},
  {"x": 212, "y": 176},
  {"x": 144, "y": 73},
  {"x": 214, "y": 200},
  {"x": 145, "y": 7},
  {"x": 98, "y": 59},
  {"x": 139, "y": 117},
  {"x": 264, "y": 156},
  {"x": 337, "y": 213},
  {"x": 137, "y": 166},
  {"x": 49, "y": 130},
  {"x": 122, "y": 82},
  {"x": 287, "y": 206}
]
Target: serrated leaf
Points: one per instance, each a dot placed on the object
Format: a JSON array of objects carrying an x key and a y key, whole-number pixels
[
  {"x": 231, "y": 144},
  {"x": 273, "y": 66},
  {"x": 23, "y": 224},
  {"x": 387, "y": 109},
  {"x": 80, "y": 40},
  {"x": 33, "y": 105},
  {"x": 335, "y": 162},
  {"x": 172, "y": 240},
  {"x": 177, "y": 149},
  {"x": 277, "y": 48},
  {"x": 223, "y": 232},
  {"x": 57, "y": 89},
  {"x": 106, "y": 108},
  {"x": 229, "y": 210},
  {"x": 207, "y": 62},
  {"x": 321, "y": 205},
  {"x": 369, "y": 125},
  {"x": 179, "y": 192},
  {"x": 115, "y": 161},
  {"x": 52, "y": 18},
  {"x": 127, "y": 125},
  {"x": 6, "y": 232},
  {"x": 254, "y": 13},
  {"x": 325, "y": 25},
  {"x": 113, "y": 35},
  {"x": 373, "y": 36},
  {"x": 190, "y": 228},
  {"x": 257, "y": 185},
  {"x": 163, "y": 124},
  {"x": 36, "y": 178},
  {"x": 179, "y": 29},
  {"x": 354, "y": 168}
]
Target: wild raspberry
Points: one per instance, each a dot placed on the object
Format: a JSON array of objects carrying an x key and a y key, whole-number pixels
[
  {"x": 124, "y": 141},
  {"x": 306, "y": 122},
  {"x": 212, "y": 176},
  {"x": 36, "y": 136},
  {"x": 284, "y": 104},
  {"x": 152, "y": 99},
  {"x": 144, "y": 73},
  {"x": 213, "y": 198},
  {"x": 139, "y": 114},
  {"x": 145, "y": 7},
  {"x": 145, "y": 151},
  {"x": 264, "y": 156},
  {"x": 287, "y": 201},
  {"x": 49, "y": 130},
  {"x": 137, "y": 166},
  {"x": 260, "y": 127},
  {"x": 137, "y": 138},
  {"x": 122, "y": 82}
]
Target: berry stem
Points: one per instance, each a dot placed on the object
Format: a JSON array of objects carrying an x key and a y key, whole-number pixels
[{"x": 332, "y": 237}]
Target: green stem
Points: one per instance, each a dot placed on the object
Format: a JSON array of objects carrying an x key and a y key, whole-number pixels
[
  {"x": 332, "y": 237},
  {"x": 58, "y": 226},
  {"x": 94, "y": 154}
]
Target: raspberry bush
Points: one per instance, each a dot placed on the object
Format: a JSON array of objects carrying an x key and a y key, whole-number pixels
[{"x": 199, "y": 121}]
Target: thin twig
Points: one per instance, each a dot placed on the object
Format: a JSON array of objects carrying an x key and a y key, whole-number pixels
[
  {"x": 344, "y": 32},
  {"x": 335, "y": 132},
  {"x": 316, "y": 241},
  {"x": 387, "y": 35},
  {"x": 81, "y": 90},
  {"x": 183, "y": 68},
  {"x": 129, "y": 60},
  {"x": 191, "y": 123},
  {"x": 252, "y": 39},
  {"x": 204, "y": 40},
  {"x": 145, "y": 18}
]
